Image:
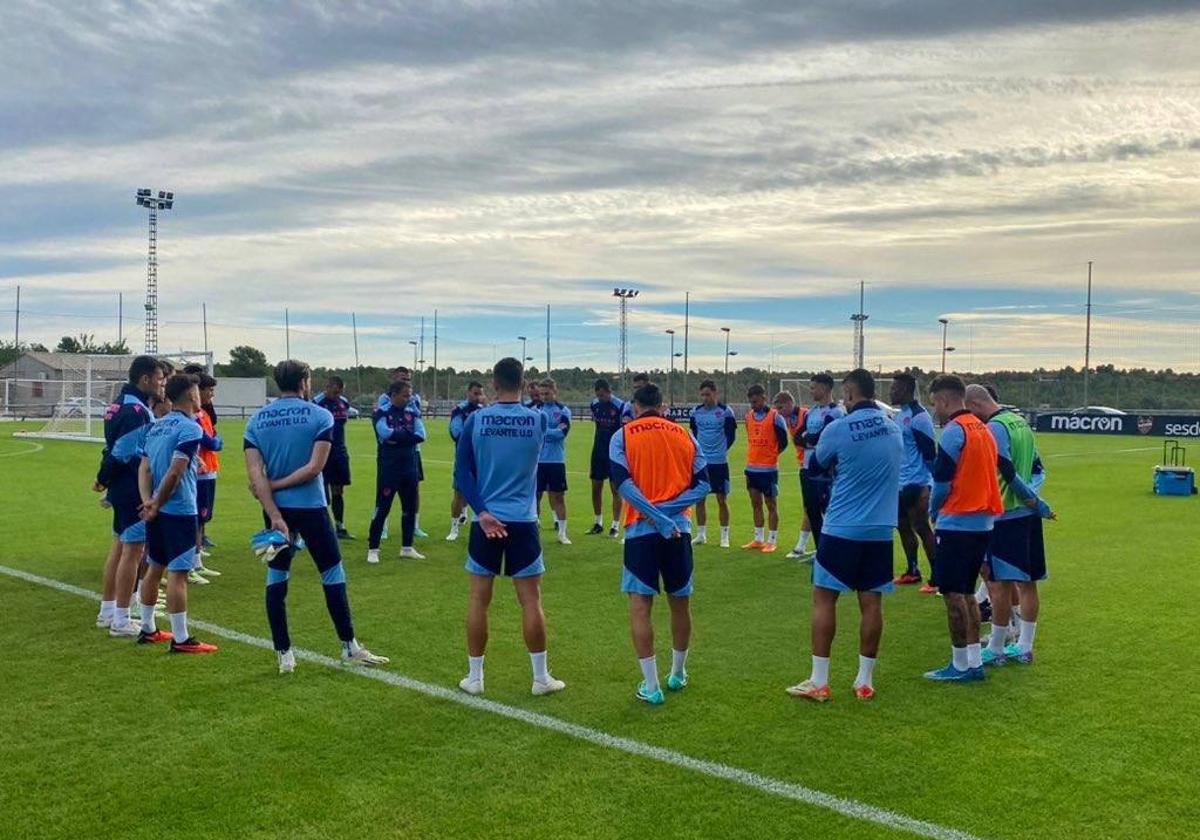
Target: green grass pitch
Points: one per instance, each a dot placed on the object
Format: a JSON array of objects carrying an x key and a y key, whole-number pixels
[{"x": 103, "y": 738}]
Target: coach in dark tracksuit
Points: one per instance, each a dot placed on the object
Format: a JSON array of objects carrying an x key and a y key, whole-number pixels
[{"x": 398, "y": 429}]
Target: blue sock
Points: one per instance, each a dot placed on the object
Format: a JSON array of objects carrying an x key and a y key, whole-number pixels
[
  {"x": 277, "y": 613},
  {"x": 333, "y": 581}
]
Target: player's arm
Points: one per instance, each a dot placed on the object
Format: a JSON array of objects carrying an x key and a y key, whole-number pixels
[
  {"x": 456, "y": 425},
  {"x": 145, "y": 480},
  {"x": 824, "y": 456},
  {"x": 730, "y": 428},
  {"x": 692, "y": 425},
  {"x": 944, "y": 467},
  {"x": 781, "y": 432},
  {"x": 213, "y": 443},
  {"x": 812, "y": 437},
  {"x": 698, "y": 490},
  {"x": 322, "y": 445},
  {"x": 630, "y": 492},
  {"x": 110, "y": 466},
  {"x": 922, "y": 432},
  {"x": 181, "y": 459},
  {"x": 466, "y": 479},
  {"x": 1006, "y": 468},
  {"x": 565, "y": 425},
  {"x": 260, "y": 486}
]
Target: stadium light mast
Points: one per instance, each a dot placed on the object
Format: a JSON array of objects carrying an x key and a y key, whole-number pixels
[
  {"x": 164, "y": 201},
  {"x": 945, "y": 322},
  {"x": 860, "y": 323},
  {"x": 687, "y": 306},
  {"x": 1087, "y": 340},
  {"x": 624, "y": 295},
  {"x": 414, "y": 344},
  {"x": 671, "y": 373},
  {"x": 523, "y": 340}
]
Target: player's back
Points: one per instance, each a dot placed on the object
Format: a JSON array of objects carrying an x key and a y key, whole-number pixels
[
  {"x": 866, "y": 448},
  {"x": 284, "y": 432},
  {"x": 915, "y": 421},
  {"x": 174, "y": 436},
  {"x": 506, "y": 441}
]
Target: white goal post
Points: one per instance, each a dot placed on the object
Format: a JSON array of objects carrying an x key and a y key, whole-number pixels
[{"x": 74, "y": 405}]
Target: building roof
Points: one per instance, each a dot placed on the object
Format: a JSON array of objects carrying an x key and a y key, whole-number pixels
[{"x": 70, "y": 363}]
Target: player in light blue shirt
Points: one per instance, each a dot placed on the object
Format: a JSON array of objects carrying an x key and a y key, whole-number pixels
[
  {"x": 287, "y": 444},
  {"x": 167, "y": 483},
  {"x": 496, "y": 468},
  {"x": 474, "y": 401},
  {"x": 920, "y": 451},
  {"x": 715, "y": 429},
  {"x": 863, "y": 450},
  {"x": 816, "y": 487},
  {"x": 552, "y": 464}
]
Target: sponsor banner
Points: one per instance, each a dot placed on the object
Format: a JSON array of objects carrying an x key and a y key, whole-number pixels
[{"x": 1119, "y": 424}]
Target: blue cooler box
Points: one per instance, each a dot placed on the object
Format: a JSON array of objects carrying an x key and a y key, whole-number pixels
[{"x": 1174, "y": 481}]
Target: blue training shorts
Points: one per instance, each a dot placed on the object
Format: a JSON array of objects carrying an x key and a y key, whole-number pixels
[
  {"x": 718, "y": 478},
  {"x": 517, "y": 555},
  {"x": 957, "y": 558},
  {"x": 1016, "y": 551},
  {"x": 853, "y": 565},
  {"x": 171, "y": 541},
  {"x": 766, "y": 483},
  {"x": 652, "y": 557}
]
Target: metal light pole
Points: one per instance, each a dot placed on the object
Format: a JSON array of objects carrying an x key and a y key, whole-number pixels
[
  {"x": 414, "y": 344},
  {"x": 164, "y": 201},
  {"x": 625, "y": 295},
  {"x": 523, "y": 340},
  {"x": 287, "y": 334},
  {"x": 687, "y": 305},
  {"x": 357, "y": 364},
  {"x": 1087, "y": 340},
  {"x": 945, "y": 322},
  {"x": 671, "y": 373},
  {"x": 726, "y": 390},
  {"x": 860, "y": 323}
]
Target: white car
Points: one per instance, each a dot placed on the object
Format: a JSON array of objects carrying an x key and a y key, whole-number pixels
[
  {"x": 81, "y": 407},
  {"x": 1098, "y": 409}
]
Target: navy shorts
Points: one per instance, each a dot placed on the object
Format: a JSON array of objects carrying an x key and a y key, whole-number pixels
[
  {"x": 957, "y": 558},
  {"x": 206, "y": 497},
  {"x": 718, "y": 478},
  {"x": 1016, "y": 551},
  {"x": 601, "y": 466},
  {"x": 552, "y": 478},
  {"x": 910, "y": 498},
  {"x": 653, "y": 557},
  {"x": 171, "y": 541},
  {"x": 517, "y": 555},
  {"x": 337, "y": 468},
  {"x": 853, "y": 565},
  {"x": 127, "y": 525},
  {"x": 766, "y": 483}
]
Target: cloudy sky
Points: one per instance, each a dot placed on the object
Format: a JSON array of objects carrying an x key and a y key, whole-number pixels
[{"x": 484, "y": 159}]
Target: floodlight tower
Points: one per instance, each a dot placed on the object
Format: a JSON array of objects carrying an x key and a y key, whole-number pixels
[
  {"x": 164, "y": 201},
  {"x": 860, "y": 323},
  {"x": 624, "y": 295}
]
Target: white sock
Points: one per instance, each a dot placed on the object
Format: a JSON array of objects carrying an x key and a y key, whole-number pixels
[
  {"x": 417, "y": 522},
  {"x": 562, "y": 527},
  {"x": 974, "y": 656},
  {"x": 1025, "y": 640},
  {"x": 981, "y": 592},
  {"x": 802, "y": 543},
  {"x": 106, "y": 608},
  {"x": 351, "y": 647},
  {"x": 475, "y": 667},
  {"x": 996, "y": 640},
  {"x": 772, "y": 537},
  {"x": 724, "y": 533},
  {"x": 758, "y": 534},
  {"x": 958, "y": 658},
  {"x": 678, "y": 662},
  {"x": 147, "y": 612},
  {"x": 702, "y": 531},
  {"x": 866, "y": 671},
  {"x": 179, "y": 629},
  {"x": 649, "y": 667},
  {"x": 538, "y": 661},
  {"x": 820, "y": 670},
  {"x": 599, "y": 520},
  {"x": 462, "y": 518},
  {"x": 615, "y": 526},
  {"x": 120, "y": 616}
]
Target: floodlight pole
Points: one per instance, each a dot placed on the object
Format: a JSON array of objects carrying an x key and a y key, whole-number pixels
[
  {"x": 435, "y": 369},
  {"x": 945, "y": 322},
  {"x": 1087, "y": 340},
  {"x": 726, "y": 389},
  {"x": 860, "y": 323},
  {"x": 164, "y": 201},
  {"x": 287, "y": 334},
  {"x": 524, "y": 340},
  {"x": 687, "y": 301},
  {"x": 671, "y": 373},
  {"x": 624, "y": 295},
  {"x": 547, "y": 339},
  {"x": 357, "y": 365}
]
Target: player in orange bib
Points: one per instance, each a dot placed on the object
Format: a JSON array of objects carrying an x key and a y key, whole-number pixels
[
  {"x": 794, "y": 416},
  {"x": 658, "y": 469},
  {"x": 766, "y": 437}
]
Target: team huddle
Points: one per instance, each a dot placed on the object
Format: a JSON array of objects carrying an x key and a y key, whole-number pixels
[{"x": 971, "y": 500}]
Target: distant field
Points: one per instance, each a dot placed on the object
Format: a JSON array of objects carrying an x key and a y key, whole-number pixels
[{"x": 102, "y": 738}]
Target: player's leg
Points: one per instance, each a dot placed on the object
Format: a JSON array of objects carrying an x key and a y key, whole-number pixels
[
  {"x": 383, "y": 506},
  {"x": 677, "y": 569},
  {"x": 597, "y": 507},
  {"x": 641, "y": 630},
  {"x": 108, "y": 597},
  {"x": 823, "y": 629},
  {"x": 125, "y": 581},
  {"x": 337, "y": 505},
  {"x": 919, "y": 519},
  {"x": 800, "y": 550},
  {"x": 771, "y": 500},
  {"x": 409, "y": 491},
  {"x": 558, "y": 501},
  {"x": 756, "y": 508},
  {"x": 957, "y": 562},
  {"x": 479, "y": 599},
  {"x": 174, "y": 537},
  {"x": 1030, "y": 608},
  {"x": 417, "y": 531},
  {"x": 908, "y": 538},
  {"x": 870, "y": 631},
  {"x": 533, "y": 628},
  {"x": 640, "y": 581},
  {"x": 701, "y": 536},
  {"x": 618, "y": 507},
  {"x": 723, "y": 516},
  {"x": 458, "y": 507},
  {"x": 811, "y": 494},
  {"x": 148, "y": 603}
]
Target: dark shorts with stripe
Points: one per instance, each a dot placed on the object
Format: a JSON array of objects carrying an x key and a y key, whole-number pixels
[
  {"x": 957, "y": 559},
  {"x": 718, "y": 478},
  {"x": 171, "y": 541},
  {"x": 552, "y": 478},
  {"x": 653, "y": 557},
  {"x": 337, "y": 468},
  {"x": 910, "y": 498},
  {"x": 845, "y": 565},
  {"x": 766, "y": 483},
  {"x": 601, "y": 467},
  {"x": 517, "y": 555},
  {"x": 206, "y": 498},
  {"x": 1016, "y": 551}
]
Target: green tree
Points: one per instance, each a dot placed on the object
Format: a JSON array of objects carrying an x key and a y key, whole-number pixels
[{"x": 246, "y": 361}]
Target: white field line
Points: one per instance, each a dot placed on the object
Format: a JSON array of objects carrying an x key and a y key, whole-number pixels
[
  {"x": 36, "y": 447},
  {"x": 763, "y": 784}
]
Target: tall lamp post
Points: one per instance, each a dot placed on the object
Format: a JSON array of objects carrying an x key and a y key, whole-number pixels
[
  {"x": 164, "y": 201},
  {"x": 414, "y": 344},
  {"x": 671, "y": 371},
  {"x": 523, "y": 340},
  {"x": 624, "y": 295},
  {"x": 726, "y": 331},
  {"x": 945, "y": 322}
]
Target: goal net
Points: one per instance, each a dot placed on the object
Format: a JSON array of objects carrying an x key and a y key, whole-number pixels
[{"x": 73, "y": 406}]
